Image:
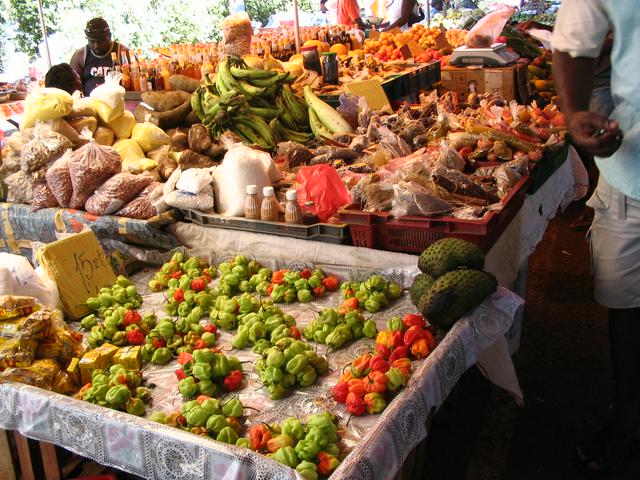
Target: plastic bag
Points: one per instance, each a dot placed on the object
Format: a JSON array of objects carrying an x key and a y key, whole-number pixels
[
  {"x": 17, "y": 276},
  {"x": 237, "y": 32},
  {"x": 484, "y": 33},
  {"x": 123, "y": 125},
  {"x": 202, "y": 201},
  {"x": 149, "y": 137},
  {"x": 115, "y": 192},
  {"x": 349, "y": 107},
  {"x": 449, "y": 157},
  {"x": 130, "y": 152},
  {"x": 45, "y": 104},
  {"x": 195, "y": 179},
  {"x": 240, "y": 167},
  {"x": 90, "y": 166},
  {"x": 40, "y": 374},
  {"x": 59, "y": 180},
  {"x": 141, "y": 207},
  {"x": 170, "y": 185},
  {"x": 15, "y": 306},
  {"x": 45, "y": 145},
  {"x": 104, "y": 136},
  {"x": 322, "y": 185},
  {"x": 108, "y": 98},
  {"x": 43, "y": 197},
  {"x": 82, "y": 107},
  {"x": 19, "y": 187},
  {"x": 410, "y": 198}
]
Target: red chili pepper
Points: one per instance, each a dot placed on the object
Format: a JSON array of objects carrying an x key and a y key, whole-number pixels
[
  {"x": 202, "y": 398},
  {"x": 178, "y": 295},
  {"x": 356, "y": 386},
  {"x": 355, "y": 404},
  {"x": 259, "y": 435},
  {"x": 269, "y": 289},
  {"x": 396, "y": 339},
  {"x": 159, "y": 343},
  {"x": 340, "y": 391},
  {"x": 327, "y": 463},
  {"x": 177, "y": 274},
  {"x": 411, "y": 319},
  {"x": 352, "y": 303},
  {"x": 184, "y": 357},
  {"x": 420, "y": 348},
  {"x": 131, "y": 317},
  {"x": 181, "y": 374},
  {"x": 294, "y": 332},
  {"x": 331, "y": 283},
  {"x": 383, "y": 350},
  {"x": 211, "y": 328},
  {"x": 412, "y": 334},
  {"x": 379, "y": 364},
  {"x": 400, "y": 352},
  {"x": 277, "y": 277},
  {"x": 200, "y": 344},
  {"x": 197, "y": 284},
  {"x": 346, "y": 376},
  {"x": 135, "y": 337},
  {"x": 306, "y": 273},
  {"x": 319, "y": 291},
  {"x": 360, "y": 365},
  {"x": 181, "y": 420},
  {"x": 375, "y": 382},
  {"x": 233, "y": 380},
  {"x": 404, "y": 365}
]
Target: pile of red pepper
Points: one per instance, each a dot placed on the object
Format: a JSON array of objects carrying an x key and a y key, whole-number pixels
[{"x": 406, "y": 337}]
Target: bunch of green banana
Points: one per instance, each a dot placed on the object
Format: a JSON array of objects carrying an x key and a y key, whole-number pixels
[
  {"x": 324, "y": 120},
  {"x": 254, "y": 130},
  {"x": 234, "y": 74},
  {"x": 294, "y": 110}
]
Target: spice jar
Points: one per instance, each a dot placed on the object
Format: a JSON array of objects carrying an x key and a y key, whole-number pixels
[
  {"x": 311, "y": 59},
  {"x": 269, "y": 208},
  {"x": 330, "y": 68},
  {"x": 292, "y": 211},
  {"x": 251, "y": 204}
]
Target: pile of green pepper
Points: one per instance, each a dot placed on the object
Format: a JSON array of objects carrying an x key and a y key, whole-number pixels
[
  {"x": 287, "y": 363},
  {"x": 263, "y": 327},
  {"x": 335, "y": 329},
  {"x": 117, "y": 388},
  {"x": 227, "y": 311},
  {"x": 373, "y": 294},
  {"x": 208, "y": 417},
  {"x": 177, "y": 269},
  {"x": 241, "y": 275},
  {"x": 205, "y": 372},
  {"x": 311, "y": 448}
]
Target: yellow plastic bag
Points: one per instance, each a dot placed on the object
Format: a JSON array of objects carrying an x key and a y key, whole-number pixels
[
  {"x": 130, "y": 153},
  {"x": 149, "y": 137},
  {"x": 106, "y": 113},
  {"x": 45, "y": 104},
  {"x": 123, "y": 125}
]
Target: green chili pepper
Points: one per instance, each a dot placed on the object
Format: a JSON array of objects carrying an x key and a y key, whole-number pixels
[
  {"x": 317, "y": 436},
  {"x": 187, "y": 387},
  {"x": 118, "y": 395},
  {"x": 216, "y": 423},
  {"x": 197, "y": 416},
  {"x": 272, "y": 375},
  {"x": 207, "y": 387},
  {"x": 287, "y": 456},
  {"x": 276, "y": 391},
  {"x": 304, "y": 296},
  {"x": 307, "y": 470},
  {"x": 202, "y": 371},
  {"x": 261, "y": 345},
  {"x": 161, "y": 356},
  {"x": 297, "y": 364},
  {"x": 219, "y": 365},
  {"x": 370, "y": 329},
  {"x": 275, "y": 358},
  {"x": 233, "y": 408},
  {"x": 211, "y": 405},
  {"x": 135, "y": 406},
  {"x": 243, "y": 442},
  {"x": 203, "y": 355},
  {"x": 294, "y": 428},
  {"x": 307, "y": 376},
  {"x": 307, "y": 450}
]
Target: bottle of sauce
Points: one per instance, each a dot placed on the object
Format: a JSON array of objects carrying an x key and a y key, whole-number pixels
[
  {"x": 251, "y": 204},
  {"x": 165, "y": 74},
  {"x": 144, "y": 85},
  {"x": 269, "y": 208},
  {"x": 126, "y": 77},
  {"x": 135, "y": 77},
  {"x": 292, "y": 211},
  {"x": 330, "y": 68}
]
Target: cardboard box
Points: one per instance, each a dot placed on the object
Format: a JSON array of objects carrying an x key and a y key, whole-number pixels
[
  {"x": 129, "y": 357},
  {"x": 79, "y": 267},
  {"x": 99, "y": 358},
  {"x": 511, "y": 81}
]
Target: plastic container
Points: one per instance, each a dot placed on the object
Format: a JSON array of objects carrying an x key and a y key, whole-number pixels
[
  {"x": 330, "y": 68},
  {"x": 412, "y": 234},
  {"x": 252, "y": 205},
  {"x": 292, "y": 211},
  {"x": 269, "y": 208},
  {"x": 311, "y": 59}
]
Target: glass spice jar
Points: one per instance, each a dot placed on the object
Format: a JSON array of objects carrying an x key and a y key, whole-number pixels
[
  {"x": 251, "y": 204},
  {"x": 330, "y": 68}
]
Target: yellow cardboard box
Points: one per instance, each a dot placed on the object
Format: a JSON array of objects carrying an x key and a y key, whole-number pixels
[
  {"x": 98, "y": 358},
  {"x": 79, "y": 267},
  {"x": 129, "y": 357}
]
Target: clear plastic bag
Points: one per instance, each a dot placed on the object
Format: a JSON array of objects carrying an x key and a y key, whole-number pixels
[
  {"x": 115, "y": 192},
  {"x": 90, "y": 166},
  {"x": 410, "y": 198},
  {"x": 59, "y": 180},
  {"x": 108, "y": 98},
  {"x": 19, "y": 187},
  {"x": 43, "y": 197},
  {"x": 450, "y": 158},
  {"x": 45, "y": 145},
  {"x": 141, "y": 207},
  {"x": 237, "y": 32},
  {"x": 195, "y": 179},
  {"x": 484, "y": 33},
  {"x": 202, "y": 201}
]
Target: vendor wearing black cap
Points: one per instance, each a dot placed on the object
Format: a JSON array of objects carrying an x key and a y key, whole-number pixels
[{"x": 93, "y": 61}]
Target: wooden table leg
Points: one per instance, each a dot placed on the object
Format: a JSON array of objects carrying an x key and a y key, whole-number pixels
[
  {"x": 24, "y": 456},
  {"x": 7, "y": 469},
  {"x": 49, "y": 461}
]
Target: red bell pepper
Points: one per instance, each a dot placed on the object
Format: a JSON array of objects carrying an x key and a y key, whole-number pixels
[
  {"x": 420, "y": 348},
  {"x": 319, "y": 291},
  {"x": 294, "y": 332},
  {"x": 327, "y": 463},
  {"x": 431, "y": 341},
  {"x": 233, "y": 380},
  {"x": 331, "y": 283},
  {"x": 355, "y": 404},
  {"x": 383, "y": 350},
  {"x": 400, "y": 352},
  {"x": 200, "y": 344},
  {"x": 411, "y": 319},
  {"x": 340, "y": 391},
  {"x": 306, "y": 273},
  {"x": 177, "y": 274},
  {"x": 397, "y": 339},
  {"x": 259, "y": 435},
  {"x": 356, "y": 386},
  {"x": 135, "y": 337},
  {"x": 412, "y": 334},
  {"x": 211, "y": 328},
  {"x": 198, "y": 284},
  {"x": 131, "y": 317},
  {"x": 181, "y": 374},
  {"x": 375, "y": 382},
  {"x": 277, "y": 277},
  {"x": 184, "y": 357},
  {"x": 159, "y": 342},
  {"x": 178, "y": 295}
]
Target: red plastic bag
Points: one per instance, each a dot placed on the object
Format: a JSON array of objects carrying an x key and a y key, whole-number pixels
[
  {"x": 484, "y": 33},
  {"x": 322, "y": 185}
]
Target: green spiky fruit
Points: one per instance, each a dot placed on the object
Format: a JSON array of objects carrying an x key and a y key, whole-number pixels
[
  {"x": 455, "y": 293},
  {"x": 421, "y": 283},
  {"x": 448, "y": 254}
]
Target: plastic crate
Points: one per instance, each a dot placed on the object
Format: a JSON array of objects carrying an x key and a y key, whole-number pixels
[
  {"x": 551, "y": 161},
  {"x": 321, "y": 232},
  {"x": 412, "y": 234}
]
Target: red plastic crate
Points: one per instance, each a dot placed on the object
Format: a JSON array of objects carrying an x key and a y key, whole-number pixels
[{"x": 412, "y": 234}]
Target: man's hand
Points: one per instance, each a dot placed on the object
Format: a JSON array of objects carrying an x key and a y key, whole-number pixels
[
  {"x": 595, "y": 133},
  {"x": 323, "y": 7}
]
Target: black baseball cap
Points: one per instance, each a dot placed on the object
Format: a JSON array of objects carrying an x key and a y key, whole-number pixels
[{"x": 97, "y": 29}]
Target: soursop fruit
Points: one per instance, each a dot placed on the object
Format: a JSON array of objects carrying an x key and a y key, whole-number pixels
[
  {"x": 421, "y": 283},
  {"x": 448, "y": 254},
  {"x": 455, "y": 293}
]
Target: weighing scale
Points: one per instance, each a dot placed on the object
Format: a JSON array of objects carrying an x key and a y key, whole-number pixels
[{"x": 495, "y": 56}]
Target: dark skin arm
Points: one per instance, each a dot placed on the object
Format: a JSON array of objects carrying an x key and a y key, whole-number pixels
[
  {"x": 405, "y": 13},
  {"x": 76, "y": 62},
  {"x": 573, "y": 78},
  {"x": 360, "y": 23}
]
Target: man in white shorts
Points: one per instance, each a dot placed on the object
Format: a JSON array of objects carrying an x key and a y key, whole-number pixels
[{"x": 579, "y": 33}]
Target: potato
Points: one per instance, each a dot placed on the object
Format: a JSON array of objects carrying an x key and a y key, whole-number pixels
[
  {"x": 199, "y": 139},
  {"x": 164, "y": 120},
  {"x": 164, "y": 101},
  {"x": 190, "y": 159},
  {"x": 182, "y": 82},
  {"x": 179, "y": 142}
]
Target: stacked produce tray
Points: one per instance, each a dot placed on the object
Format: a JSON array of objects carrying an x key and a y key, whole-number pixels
[
  {"x": 412, "y": 234},
  {"x": 321, "y": 232}
]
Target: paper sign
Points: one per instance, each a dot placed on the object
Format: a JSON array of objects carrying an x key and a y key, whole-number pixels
[
  {"x": 79, "y": 267},
  {"x": 372, "y": 91},
  {"x": 441, "y": 41},
  {"x": 374, "y": 35}
]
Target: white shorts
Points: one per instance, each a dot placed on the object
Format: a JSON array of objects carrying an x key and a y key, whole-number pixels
[{"x": 615, "y": 247}]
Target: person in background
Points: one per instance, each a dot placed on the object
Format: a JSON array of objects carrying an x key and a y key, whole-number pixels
[
  {"x": 580, "y": 31},
  {"x": 402, "y": 14},
  {"x": 64, "y": 77},
  {"x": 349, "y": 13},
  {"x": 93, "y": 61}
]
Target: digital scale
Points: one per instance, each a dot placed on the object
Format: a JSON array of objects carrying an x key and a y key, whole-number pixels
[{"x": 495, "y": 56}]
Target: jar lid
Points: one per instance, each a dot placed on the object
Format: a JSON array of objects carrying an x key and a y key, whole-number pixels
[
  {"x": 252, "y": 189},
  {"x": 329, "y": 54},
  {"x": 292, "y": 195},
  {"x": 267, "y": 191},
  {"x": 309, "y": 48}
]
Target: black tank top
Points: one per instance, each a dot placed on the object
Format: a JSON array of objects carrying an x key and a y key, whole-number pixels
[{"x": 95, "y": 68}]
